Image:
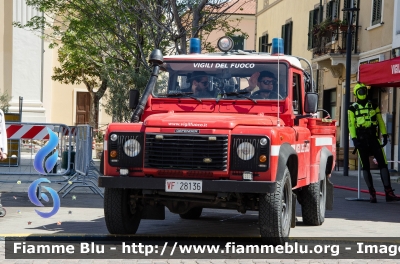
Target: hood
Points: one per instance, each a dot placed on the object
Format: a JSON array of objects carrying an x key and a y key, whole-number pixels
[{"x": 207, "y": 120}]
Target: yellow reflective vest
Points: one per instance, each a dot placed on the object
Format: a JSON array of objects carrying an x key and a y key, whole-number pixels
[{"x": 365, "y": 117}]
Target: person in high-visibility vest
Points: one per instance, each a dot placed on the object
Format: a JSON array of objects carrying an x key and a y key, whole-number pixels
[{"x": 364, "y": 119}]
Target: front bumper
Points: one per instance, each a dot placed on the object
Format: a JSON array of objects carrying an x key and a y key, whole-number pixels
[{"x": 208, "y": 185}]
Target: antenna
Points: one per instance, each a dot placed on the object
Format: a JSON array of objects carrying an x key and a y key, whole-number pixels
[
  {"x": 278, "y": 123},
  {"x": 277, "y": 49}
]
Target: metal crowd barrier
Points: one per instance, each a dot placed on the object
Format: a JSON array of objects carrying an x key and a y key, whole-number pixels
[
  {"x": 86, "y": 174},
  {"x": 74, "y": 166},
  {"x": 26, "y": 139}
]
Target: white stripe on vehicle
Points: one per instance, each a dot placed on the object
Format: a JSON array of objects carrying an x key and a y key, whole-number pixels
[
  {"x": 275, "y": 150},
  {"x": 299, "y": 148},
  {"x": 323, "y": 141}
]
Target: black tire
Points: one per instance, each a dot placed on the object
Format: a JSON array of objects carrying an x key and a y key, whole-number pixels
[
  {"x": 193, "y": 213},
  {"x": 3, "y": 212},
  {"x": 101, "y": 169},
  {"x": 276, "y": 212},
  {"x": 313, "y": 199},
  {"x": 117, "y": 213}
]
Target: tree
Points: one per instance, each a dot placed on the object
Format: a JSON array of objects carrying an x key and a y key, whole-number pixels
[
  {"x": 82, "y": 66},
  {"x": 194, "y": 19},
  {"x": 106, "y": 43}
]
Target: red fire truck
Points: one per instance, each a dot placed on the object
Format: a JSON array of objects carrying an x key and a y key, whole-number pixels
[{"x": 223, "y": 147}]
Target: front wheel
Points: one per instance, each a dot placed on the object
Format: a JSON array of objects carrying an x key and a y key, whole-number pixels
[
  {"x": 313, "y": 199},
  {"x": 276, "y": 212},
  {"x": 120, "y": 216}
]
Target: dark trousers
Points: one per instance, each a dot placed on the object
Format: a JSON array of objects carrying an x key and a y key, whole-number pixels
[{"x": 372, "y": 147}]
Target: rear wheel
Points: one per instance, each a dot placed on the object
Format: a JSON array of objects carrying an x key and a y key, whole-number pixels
[
  {"x": 276, "y": 212},
  {"x": 193, "y": 213},
  {"x": 313, "y": 199},
  {"x": 119, "y": 215}
]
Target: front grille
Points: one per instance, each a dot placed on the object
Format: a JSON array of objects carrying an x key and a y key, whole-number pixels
[
  {"x": 123, "y": 160},
  {"x": 250, "y": 164},
  {"x": 186, "y": 152}
]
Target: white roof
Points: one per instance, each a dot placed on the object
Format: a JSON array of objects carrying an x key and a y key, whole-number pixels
[{"x": 235, "y": 57}]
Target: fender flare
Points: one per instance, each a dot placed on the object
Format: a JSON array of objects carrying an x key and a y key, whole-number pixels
[
  {"x": 325, "y": 168},
  {"x": 287, "y": 157},
  {"x": 325, "y": 163}
]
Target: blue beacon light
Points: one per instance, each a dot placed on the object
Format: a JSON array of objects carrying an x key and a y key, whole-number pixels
[
  {"x": 277, "y": 46},
  {"x": 195, "y": 46}
]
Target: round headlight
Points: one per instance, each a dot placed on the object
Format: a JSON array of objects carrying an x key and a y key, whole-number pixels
[
  {"x": 113, "y": 137},
  {"x": 245, "y": 151},
  {"x": 263, "y": 141},
  {"x": 132, "y": 147},
  {"x": 225, "y": 44}
]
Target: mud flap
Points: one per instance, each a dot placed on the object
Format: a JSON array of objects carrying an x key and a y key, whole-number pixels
[
  {"x": 293, "y": 223},
  {"x": 155, "y": 212},
  {"x": 329, "y": 195}
]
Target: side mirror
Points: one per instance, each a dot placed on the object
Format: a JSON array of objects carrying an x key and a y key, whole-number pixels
[
  {"x": 133, "y": 98},
  {"x": 311, "y": 103}
]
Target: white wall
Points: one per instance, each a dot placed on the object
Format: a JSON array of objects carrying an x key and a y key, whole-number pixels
[{"x": 26, "y": 67}]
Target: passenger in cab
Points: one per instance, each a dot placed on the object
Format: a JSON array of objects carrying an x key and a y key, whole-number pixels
[
  {"x": 199, "y": 86},
  {"x": 266, "y": 83}
]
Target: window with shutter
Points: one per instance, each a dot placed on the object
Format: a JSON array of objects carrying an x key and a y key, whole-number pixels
[
  {"x": 376, "y": 12},
  {"x": 329, "y": 9},
  {"x": 346, "y": 3},
  {"x": 287, "y": 31},
  {"x": 263, "y": 43},
  {"x": 335, "y": 9},
  {"x": 332, "y": 9},
  {"x": 310, "y": 29},
  {"x": 312, "y": 21}
]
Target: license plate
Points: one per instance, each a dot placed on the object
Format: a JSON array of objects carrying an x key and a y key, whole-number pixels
[{"x": 183, "y": 186}]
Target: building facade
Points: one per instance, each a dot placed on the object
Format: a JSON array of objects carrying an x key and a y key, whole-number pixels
[
  {"x": 312, "y": 29},
  {"x": 242, "y": 16},
  {"x": 26, "y": 67}
]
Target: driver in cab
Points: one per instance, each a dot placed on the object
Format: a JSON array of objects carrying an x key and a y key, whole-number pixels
[
  {"x": 199, "y": 86},
  {"x": 266, "y": 83}
]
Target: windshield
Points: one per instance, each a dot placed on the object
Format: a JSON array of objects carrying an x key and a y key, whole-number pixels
[{"x": 223, "y": 80}]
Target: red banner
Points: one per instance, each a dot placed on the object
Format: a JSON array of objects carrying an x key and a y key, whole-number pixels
[{"x": 385, "y": 73}]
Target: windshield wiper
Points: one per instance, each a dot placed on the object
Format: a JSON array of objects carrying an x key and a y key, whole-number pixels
[
  {"x": 186, "y": 94},
  {"x": 238, "y": 94}
]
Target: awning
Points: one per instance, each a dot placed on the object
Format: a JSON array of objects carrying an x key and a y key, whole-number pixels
[{"x": 385, "y": 73}]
